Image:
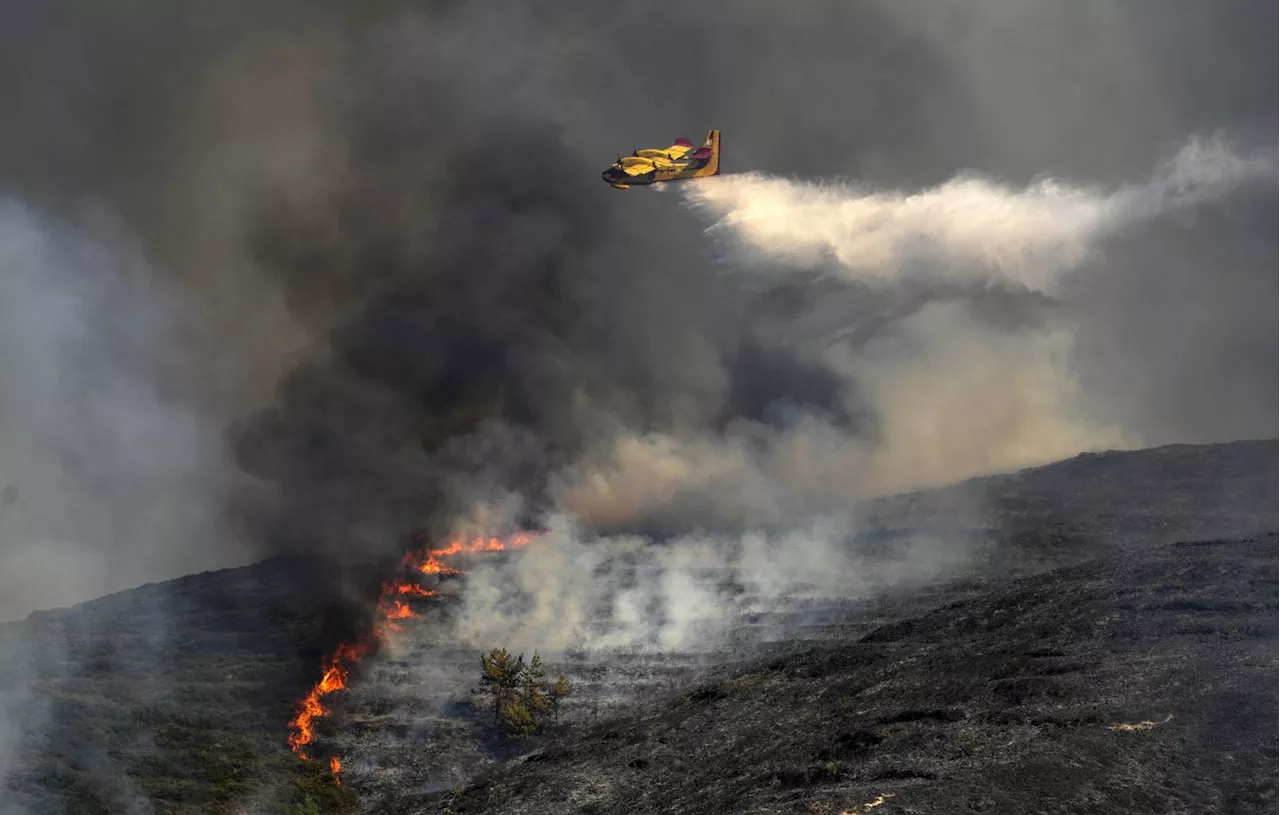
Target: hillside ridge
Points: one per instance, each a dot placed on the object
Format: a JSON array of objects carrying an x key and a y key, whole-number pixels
[{"x": 176, "y": 695}]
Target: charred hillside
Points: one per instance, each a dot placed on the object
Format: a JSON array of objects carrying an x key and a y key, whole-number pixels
[
  {"x": 1137, "y": 683},
  {"x": 1097, "y": 504},
  {"x": 968, "y": 690}
]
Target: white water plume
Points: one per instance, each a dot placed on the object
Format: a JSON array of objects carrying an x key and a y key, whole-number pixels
[{"x": 969, "y": 229}]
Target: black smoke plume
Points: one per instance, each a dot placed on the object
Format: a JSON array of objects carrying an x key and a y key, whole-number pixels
[
  {"x": 485, "y": 318},
  {"x": 389, "y": 221}
]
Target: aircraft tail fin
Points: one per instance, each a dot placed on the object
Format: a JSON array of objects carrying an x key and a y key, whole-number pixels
[{"x": 713, "y": 166}]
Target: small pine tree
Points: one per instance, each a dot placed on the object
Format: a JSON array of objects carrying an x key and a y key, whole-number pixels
[
  {"x": 500, "y": 676},
  {"x": 523, "y": 699},
  {"x": 557, "y": 694},
  {"x": 533, "y": 688}
]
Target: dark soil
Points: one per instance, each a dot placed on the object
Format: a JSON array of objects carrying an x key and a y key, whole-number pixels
[
  {"x": 1013, "y": 702},
  {"x": 970, "y": 694}
]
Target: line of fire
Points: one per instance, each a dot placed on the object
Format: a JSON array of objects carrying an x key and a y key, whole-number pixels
[{"x": 394, "y": 605}]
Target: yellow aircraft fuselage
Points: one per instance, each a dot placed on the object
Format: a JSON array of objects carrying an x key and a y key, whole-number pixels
[{"x": 678, "y": 162}]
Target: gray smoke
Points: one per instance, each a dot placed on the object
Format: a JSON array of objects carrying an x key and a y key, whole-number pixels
[{"x": 110, "y": 470}]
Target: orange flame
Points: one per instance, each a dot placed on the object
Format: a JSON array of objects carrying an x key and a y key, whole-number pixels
[
  {"x": 430, "y": 561},
  {"x": 334, "y": 678},
  {"x": 399, "y": 611},
  {"x": 414, "y": 589},
  {"x": 390, "y": 608}
]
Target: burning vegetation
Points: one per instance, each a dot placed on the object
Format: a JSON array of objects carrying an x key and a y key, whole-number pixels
[{"x": 394, "y": 605}]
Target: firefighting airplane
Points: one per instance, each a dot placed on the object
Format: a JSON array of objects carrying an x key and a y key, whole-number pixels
[{"x": 674, "y": 163}]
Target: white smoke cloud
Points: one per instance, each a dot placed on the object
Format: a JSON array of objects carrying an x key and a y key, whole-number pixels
[
  {"x": 957, "y": 398},
  {"x": 689, "y": 594},
  {"x": 571, "y": 588},
  {"x": 968, "y": 230},
  {"x": 954, "y": 398}
]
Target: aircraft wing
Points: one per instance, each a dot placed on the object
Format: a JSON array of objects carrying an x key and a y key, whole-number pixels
[
  {"x": 636, "y": 165},
  {"x": 677, "y": 151}
]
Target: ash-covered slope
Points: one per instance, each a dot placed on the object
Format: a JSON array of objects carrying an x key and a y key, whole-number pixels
[
  {"x": 175, "y": 697},
  {"x": 1140, "y": 683},
  {"x": 1097, "y": 503}
]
